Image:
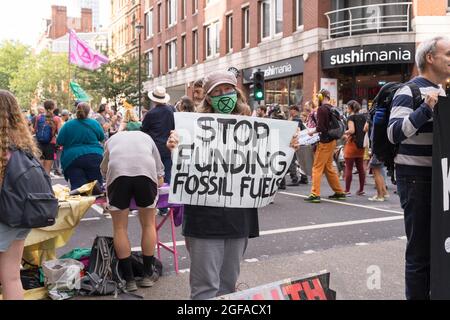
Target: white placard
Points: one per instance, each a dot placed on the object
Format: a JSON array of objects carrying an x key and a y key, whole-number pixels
[
  {"x": 229, "y": 161},
  {"x": 304, "y": 139}
]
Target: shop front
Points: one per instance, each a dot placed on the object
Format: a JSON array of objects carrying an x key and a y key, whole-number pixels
[
  {"x": 283, "y": 82},
  {"x": 362, "y": 71}
]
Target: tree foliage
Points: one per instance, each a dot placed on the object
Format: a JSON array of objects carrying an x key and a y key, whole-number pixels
[{"x": 12, "y": 55}]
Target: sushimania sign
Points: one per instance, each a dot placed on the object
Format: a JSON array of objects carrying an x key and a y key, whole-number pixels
[
  {"x": 229, "y": 161},
  {"x": 369, "y": 55}
]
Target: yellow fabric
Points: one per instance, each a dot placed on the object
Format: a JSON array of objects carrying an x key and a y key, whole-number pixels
[{"x": 41, "y": 243}]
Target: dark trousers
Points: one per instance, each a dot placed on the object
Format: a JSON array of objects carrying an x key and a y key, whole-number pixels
[
  {"x": 293, "y": 169},
  {"x": 415, "y": 198},
  {"x": 84, "y": 169},
  {"x": 167, "y": 162},
  {"x": 349, "y": 162}
]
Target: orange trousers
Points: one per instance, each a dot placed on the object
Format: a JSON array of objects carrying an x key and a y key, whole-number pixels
[{"x": 323, "y": 163}]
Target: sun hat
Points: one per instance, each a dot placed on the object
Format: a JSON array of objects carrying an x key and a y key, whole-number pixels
[{"x": 159, "y": 95}]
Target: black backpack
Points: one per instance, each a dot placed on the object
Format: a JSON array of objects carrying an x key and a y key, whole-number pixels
[
  {"x": 337, "y": 127},
  {"x": 27, "y": 199},
  {"x": 380, "y": 113},
  {"x": 103, "y": 276}
]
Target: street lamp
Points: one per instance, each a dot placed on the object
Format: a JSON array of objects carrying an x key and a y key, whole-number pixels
[{"x": 139, "y": 28}]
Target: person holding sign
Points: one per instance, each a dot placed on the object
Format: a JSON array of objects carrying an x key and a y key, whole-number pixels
[
  {"x": 217, "y": 237},
  {"x": 412, "y": 129}
]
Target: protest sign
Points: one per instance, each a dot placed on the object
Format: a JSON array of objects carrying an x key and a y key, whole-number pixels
[
  {"x": 305, "y": 139},
  {"x": 229, "y": 161},
  {"x": 310, "y": 287},
  {"x": 440, "y": 213}
]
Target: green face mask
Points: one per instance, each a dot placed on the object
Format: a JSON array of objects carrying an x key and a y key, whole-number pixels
[{"x": 225, "y": 103}]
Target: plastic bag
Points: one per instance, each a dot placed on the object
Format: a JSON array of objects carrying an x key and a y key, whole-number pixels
[{"x": 62, "y": 277}]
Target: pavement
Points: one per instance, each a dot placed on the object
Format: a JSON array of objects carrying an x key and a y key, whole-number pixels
[{"x": 360, "y": 272}]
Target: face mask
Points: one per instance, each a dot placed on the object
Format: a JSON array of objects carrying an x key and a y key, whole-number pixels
[{"x": 225, "y": 103}]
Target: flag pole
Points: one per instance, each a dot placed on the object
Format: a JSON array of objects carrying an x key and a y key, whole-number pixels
[{"x": 68, "y": 83}]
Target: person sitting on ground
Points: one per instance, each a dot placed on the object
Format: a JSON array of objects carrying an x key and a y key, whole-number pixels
[{"x": 128, "y": 179}]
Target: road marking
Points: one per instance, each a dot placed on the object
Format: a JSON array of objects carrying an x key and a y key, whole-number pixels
[
  {"x": 97, "y": 208},
  {"x": 309, "y": 252},
  {"x": 91, "y": 219},
  {"x": 251, "y": 260},
  {"x": 402, "y": 238},
  {"x": 361, "y": 244},
  {"x": 304, "y": 228},
  {"x": 345, "y": 203}
]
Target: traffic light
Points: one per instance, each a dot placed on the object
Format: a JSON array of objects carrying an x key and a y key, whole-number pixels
[{"x": 258, "y": 85}]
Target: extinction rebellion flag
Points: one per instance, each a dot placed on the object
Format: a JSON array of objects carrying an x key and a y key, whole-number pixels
[
  {"x": 82, "y": 55},
  {"x": 440, "y": 215}
]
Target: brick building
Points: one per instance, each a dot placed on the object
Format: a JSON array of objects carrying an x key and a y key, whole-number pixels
[
  {"x": 350, "y": 46},
  {"x": 124, "y": 37}
]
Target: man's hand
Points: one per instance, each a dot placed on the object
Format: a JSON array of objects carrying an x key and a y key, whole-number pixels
[
  {"x": 431, "y": 99},
  {"x": 173, "y": 140}
]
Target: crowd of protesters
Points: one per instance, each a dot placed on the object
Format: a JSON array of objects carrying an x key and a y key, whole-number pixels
[{"x": 104, "y": 144}]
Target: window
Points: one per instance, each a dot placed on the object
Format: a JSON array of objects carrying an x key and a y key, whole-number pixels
[
  {"x": 271, "y": 18},
  {"x": 171, "y": 12},
  {"x": 183, "y": 51},
  {"x": 149, "y": 24},
  {"x": 246, "y": 26},
  {"x": 194, "y": 6},
  {"x": 159, "y": 17},
  {"x": 212, "y": 39},
  {"x": 160, "y": 63},
  {"x": 194, "y": 46},
  {"x": 171, "y": 55},
  {"x": 299, "y": 13},
  {"x": 229, "y": 33},
  {"x": 149, "y": 62},
  {"x": 183, "y": 9}
]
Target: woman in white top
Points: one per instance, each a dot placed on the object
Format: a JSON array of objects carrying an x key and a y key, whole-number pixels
[{"x": 133, "y": 170}]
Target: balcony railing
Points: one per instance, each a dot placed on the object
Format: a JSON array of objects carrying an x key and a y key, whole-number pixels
[{"x": 375, "y": 18}]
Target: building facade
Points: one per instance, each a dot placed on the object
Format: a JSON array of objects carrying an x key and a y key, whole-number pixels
[
  {"x": 123, "y": 35},
  {"x": 351, "y": 47}
]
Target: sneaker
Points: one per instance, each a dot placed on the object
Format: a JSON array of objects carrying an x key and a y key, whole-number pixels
[
  {"x": 376, "y": 198},
  {"x": 348, "y": 194},
  {"x": 313, "y": 198},
  {"x": 337, "y": 196},
  {"x": 149, "y": 281},
  {"x": 163, "y": 212},
  {"x": 387, "y": 196},
  {"x": 361, "y": 193},
  {"x": 131, "y": 286}
]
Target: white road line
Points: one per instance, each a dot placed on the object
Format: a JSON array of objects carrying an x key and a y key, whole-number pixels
[
  {"x": 98, "y": 209},
  {"x": 331, "y": 225},
  {"x": 345, "y": 203},
  {"x": 361, "y": 244},
  {"x": 309, "y": 252},
  {"x": 402, "y": 238},
  {"x": 304, "y": 228},
  {"x": 251, "y": 260},
  {"x": 90, "y": 219}
]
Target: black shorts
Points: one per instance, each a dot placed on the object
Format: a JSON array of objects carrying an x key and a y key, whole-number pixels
[
  {"x": 48, "y": 151},
  {"x": 141, "y": 188}
]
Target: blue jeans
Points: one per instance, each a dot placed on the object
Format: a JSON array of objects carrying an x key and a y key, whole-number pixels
[
  {"x": 415, "y": 198},
  {"x": 84, "y": 169},
  {"x": 167, "y": 162}
]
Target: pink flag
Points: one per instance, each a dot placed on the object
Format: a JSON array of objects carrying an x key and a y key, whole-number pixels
[{"x": 81, "y": 55}]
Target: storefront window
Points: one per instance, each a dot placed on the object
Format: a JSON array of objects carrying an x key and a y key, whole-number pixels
[{"x": 285, "y": 92}]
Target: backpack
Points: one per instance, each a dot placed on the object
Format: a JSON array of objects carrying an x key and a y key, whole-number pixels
[
  {"x": 380, "y": 113},
  {"x": 27, "y": 199},
  {"x": 44, "y": 132},
  {"x": 103, "y": 276},
  {"x": 337, "y": 126}
]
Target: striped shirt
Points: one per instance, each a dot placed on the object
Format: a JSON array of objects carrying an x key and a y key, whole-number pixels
[{"x": 413, "y": 129}]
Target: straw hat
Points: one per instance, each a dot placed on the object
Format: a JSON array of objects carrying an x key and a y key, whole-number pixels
[{"x": 159, "y": 95}]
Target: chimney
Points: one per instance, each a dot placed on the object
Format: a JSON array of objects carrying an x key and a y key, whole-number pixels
[
  {"x": 59, "y": 22},
  {"x": 86, "y": 20}
]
